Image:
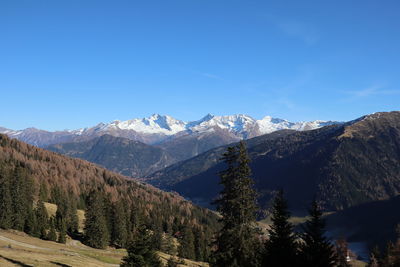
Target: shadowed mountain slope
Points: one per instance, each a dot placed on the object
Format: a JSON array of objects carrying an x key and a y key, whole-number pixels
[
  {"x": 342, "y": 165},
  {"x": 122, "y": 155}
]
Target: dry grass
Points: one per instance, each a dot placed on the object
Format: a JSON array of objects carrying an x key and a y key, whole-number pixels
[
  {"x": 189, "y": 263},
  {"x": 19, "y": 249},
  {"x": 358, "y": 263},
  {"x": 52, "y": 208},
  {"x": 23, "y": 250}
]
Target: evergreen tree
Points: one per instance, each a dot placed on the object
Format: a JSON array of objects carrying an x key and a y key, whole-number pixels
[
  {"x": 316, "y": 250},
  {"x": 60, "y": 219},
  {"x": 237, "y": 243},
  {"x": 43, "y": 192},
  {"x": 19, "y": 205},
  {"x": 96, "y": 232},
  {"x": 392, "y": 255},
  {"x": 141, "y": 252},
  {"x": 186, "y": 248},
  {"x": 157, "y": 238},
  {"x": 42, "y": 219},
  {"x": 119, "y": 229},
  {"x": 30, "y": 224},
  {"x": 281, "y": 247},
  {"x": 342, "y": 252},
  {"x": 200, "y": 245},
  {"x": 5, "y": 199},
  {"x": 52, "y": 235},
  {"x": 71, "y": 214},
  {"x": 374, "y": 259},
  {"x": 62, "y": 232}
]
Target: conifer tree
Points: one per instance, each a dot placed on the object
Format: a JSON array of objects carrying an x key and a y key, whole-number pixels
[
  {"x": 52, "y": 235},
  {"x": 374, "y": 259},
  {"x": 62, "y": 232},
  {"x": 157, "y": 238},
  {"x": 281, "y": 247},
  {"x": 186, "y": 248},
  {"x": 30, "y": 224},
  {"x": 200, "y": 245},
  {"x": 42, "y": 219},
  {"x": 237, "y": 243},
  {"x": 119, "y": 229},
  {"x": 342, "y": 252},
  {"x": 96, "y": 232},
  {"x": 18, "y": 196},
  {"x": 71, "y": 214},
  {"x": 43, "y": 192},
  {"x": 5, "y": 199},
  {"x": 141, "y": 252},
  {"x": 316, "y": 250},
  {"x": 392, "y": 254}
]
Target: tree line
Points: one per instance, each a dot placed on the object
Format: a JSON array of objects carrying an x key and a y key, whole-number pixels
[
  {"x": 144, "y": 227},
  {"x": 108, "y": 222}
]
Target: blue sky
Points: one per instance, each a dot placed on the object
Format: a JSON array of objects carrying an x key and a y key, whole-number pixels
[{"x": 70, "y": 64}]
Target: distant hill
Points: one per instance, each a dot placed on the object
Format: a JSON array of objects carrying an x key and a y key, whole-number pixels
[
  {"x": 343, "y": 165},
  {"x": 122, "y": 155},
  {"x": 79, "y": 177}
]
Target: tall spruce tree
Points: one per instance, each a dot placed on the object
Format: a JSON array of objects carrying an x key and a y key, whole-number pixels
[
  {"x": 42, "y": 219},
  {"x": 140, "y": 251},
  {"x": 316, "y": 250},
  {"x": 186, "y": 248},
  {"x": 30, "y": 224},
  {"x": 43, "y": 192},
  {"x": 96, "y": 232},
  {"x": 71, "y": 213},
  {"x": 237, "y": 243},
  {"x": 119, "y": 231},
  {"x": 62, "y": 232},
  {"x": 5, "y": 199},
  {"x": 18, "y": 196},
  {"x": 281, "y": 247},
  {"x": 52, "y": 235}
]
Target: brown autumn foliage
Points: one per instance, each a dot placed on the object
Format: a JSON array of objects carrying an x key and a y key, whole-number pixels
[{"x": 79, "y": 177}]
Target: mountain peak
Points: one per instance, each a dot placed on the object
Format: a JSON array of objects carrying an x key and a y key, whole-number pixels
[{"x": 157, "y": 127}]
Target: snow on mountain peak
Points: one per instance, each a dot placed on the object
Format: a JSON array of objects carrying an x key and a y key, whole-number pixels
[{"x": 240, "y": 125}]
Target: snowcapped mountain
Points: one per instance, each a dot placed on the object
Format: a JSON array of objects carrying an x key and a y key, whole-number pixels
[
  {"x": 269, "y": 125},
  {"x": 158, "y": 128},
  {"x": 155, "y": 124}
]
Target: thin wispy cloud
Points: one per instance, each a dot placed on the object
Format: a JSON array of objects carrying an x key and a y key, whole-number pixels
[
  {"x": 299, "y": 30},
  {"x": 296, "y": 29},
  {"x": 370, "y": 91},
  {"x": 203, "y": 74},
  {"x": 211, "y": 76}
]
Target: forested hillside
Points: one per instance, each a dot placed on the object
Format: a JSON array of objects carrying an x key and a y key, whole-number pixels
[
  {"x": 118, "y": 154},
  {"x": 115, "y": 205},
  {"x": 343, "y": 165}
]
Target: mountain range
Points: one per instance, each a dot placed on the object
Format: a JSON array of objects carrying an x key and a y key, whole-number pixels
[
  {"x": 157, "y": 129},
  {"x": 343, "y": 165}
]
